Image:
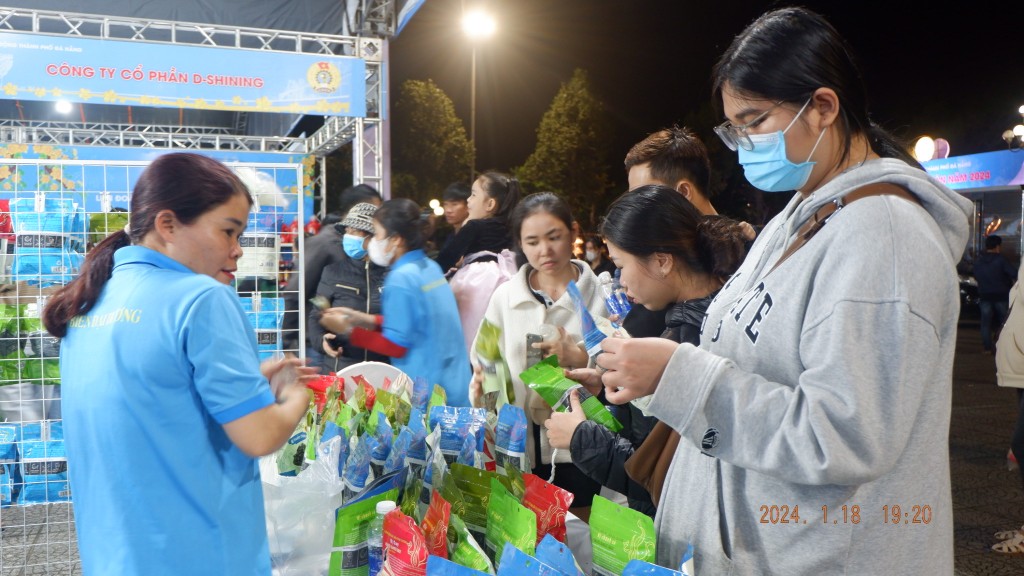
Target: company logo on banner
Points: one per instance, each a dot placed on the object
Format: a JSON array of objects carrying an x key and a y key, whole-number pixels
[
  {"x": 1003, "y": 168},
  {"x": 38, "y": 67}
]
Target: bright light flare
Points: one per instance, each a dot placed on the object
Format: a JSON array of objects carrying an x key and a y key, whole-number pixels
[
  {"x": 924, "y": 150},
  {"x": 434, "y": 203},
  {"x": 438, "y": 211},
  {"x": 63, "y": 106},
  {"x": 478, "y": 24}
]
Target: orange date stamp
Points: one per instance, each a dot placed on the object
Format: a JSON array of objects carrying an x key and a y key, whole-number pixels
[{"x": 847, "y": 514}]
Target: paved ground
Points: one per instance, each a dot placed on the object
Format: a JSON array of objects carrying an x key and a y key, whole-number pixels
[{"x": 987, "y": 497}]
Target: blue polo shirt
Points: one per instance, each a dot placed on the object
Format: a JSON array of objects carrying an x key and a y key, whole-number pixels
[
  {"x": 150, "y": 375},
  {"x": 421, "y": 315}
]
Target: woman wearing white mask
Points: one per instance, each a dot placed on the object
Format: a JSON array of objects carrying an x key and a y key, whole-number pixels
[
  {"x": 419, "y": 327},
  {"x": 351, "y": 282},
  {"x": 814, "y": 415}
]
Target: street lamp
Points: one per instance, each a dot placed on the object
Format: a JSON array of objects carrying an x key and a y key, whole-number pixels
[
  {"x": 1014, "y": 137},
  {"x": 477, "y": 25}
]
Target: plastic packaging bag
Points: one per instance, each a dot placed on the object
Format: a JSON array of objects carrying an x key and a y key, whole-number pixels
[
  {"x": 618, "y": 535},
  {"x": 300, "y": 511},
  {"x": 473, "y": 285}
]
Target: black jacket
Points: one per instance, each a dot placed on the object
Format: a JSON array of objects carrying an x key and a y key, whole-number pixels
[
  {"x": 321, "y": 251},
  {"x": 601, "y": 454},
  {"x": 490, "y": 234},
  {"x": 995, "y": 276},
  {"x": 354, "y": 284}
]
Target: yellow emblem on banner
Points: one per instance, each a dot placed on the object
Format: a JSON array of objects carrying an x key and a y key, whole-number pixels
[{"x": 324, "y": 77}]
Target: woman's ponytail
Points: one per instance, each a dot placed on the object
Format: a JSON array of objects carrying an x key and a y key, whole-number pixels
[{"x": 81, "y": 294}]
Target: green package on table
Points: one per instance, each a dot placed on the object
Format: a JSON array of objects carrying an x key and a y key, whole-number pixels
[
  {"x": 475, "y": 485},
  {"x": 508, "y": 521},
  {"x": 350, "y": 556},
  {"x": 548, "y": 380},
  {"x": 464, "y": 548},
  {"x": 617, "y": 535}
]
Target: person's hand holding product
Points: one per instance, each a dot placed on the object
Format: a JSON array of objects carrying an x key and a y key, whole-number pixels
[
  {"x": 561, "y": 425},
  {"x": 342, "y": 320},
  {"x": 565, "y": 347},
  {"x": 631, "y": 368},
  {"x": 476, "y": 387},
  {"x": 589, "y": 378}
]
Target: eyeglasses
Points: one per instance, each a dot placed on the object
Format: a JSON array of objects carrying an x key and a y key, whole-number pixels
[{"x": 736, "y": 136}]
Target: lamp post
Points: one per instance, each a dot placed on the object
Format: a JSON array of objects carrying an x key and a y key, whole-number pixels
[
  {"x": 477, "y": 25},
  {"x": 1014, "y": 137}
]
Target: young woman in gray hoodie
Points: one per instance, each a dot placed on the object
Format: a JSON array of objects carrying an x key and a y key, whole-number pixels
[{"x": 814, "y": 415}]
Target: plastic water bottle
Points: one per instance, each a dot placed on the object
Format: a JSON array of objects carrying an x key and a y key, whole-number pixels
[{"x": 375, "y": 539}]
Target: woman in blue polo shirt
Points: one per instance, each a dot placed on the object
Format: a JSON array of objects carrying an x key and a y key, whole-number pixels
[
  {"x": 419, "y": 328},
  {"x": 165, "y": 404}
]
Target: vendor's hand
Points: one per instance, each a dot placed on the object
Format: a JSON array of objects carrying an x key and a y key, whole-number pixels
[
  {"x": 337, "y": 320},
  {"x": 328, "y": 349},
  {"x": 287, "y": 373},
  {"x": 565, "y": 347},
  {"x": 588, "y": 377},
  {"x": 561, "y": 425},
  {"x": 476, "y": 387},
  {"x": 632, "y": 367}
]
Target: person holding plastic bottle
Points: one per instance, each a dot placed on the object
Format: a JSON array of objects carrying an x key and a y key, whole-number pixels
[{"x": 823, "y": 380}]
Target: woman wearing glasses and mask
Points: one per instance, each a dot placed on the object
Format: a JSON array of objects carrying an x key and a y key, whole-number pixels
[{"x": 814, "y": 415}]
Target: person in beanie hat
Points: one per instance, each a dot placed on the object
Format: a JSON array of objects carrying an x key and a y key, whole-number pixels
[{"x": 353, "y": 282}]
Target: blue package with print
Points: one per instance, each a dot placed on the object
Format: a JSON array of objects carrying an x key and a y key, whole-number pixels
[
  {"x": 437, "y": 566},
  {"x": 515, "y": 562},
  {"x": 510, "y": 439},
  {"x": 49, "y": 240},
  {"x": 557, "y": 555},
  {"x": 266, "y": 316},
  {"x": 592, "y": 335},
  {"x": 9, "y": 477},
  {"x": 457, "y": 422},
  {"x": 44, "y": 464}
]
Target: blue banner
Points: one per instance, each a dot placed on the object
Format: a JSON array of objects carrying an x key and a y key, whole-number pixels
[
  {"x": 985, "y": 170},
  {"x": 39, "y": 67}
]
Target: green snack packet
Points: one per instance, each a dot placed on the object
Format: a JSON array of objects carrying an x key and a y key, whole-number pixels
[
  {"x": 463, "y": 549},
  {"x": 618, "y": 535},
  {"x": 437, "y": 398},
  {"x": 351, "y": 531},
  {"x": 497, "y": 384},
  {"x": 508, "y": 521},
  {"x": 475, "y": 485},
  {"x": 409, "y": 504},
  {"x": 515, "y": 483},
  {"x": 449, "y": 490},
  {"x": 548, "y": 380}
]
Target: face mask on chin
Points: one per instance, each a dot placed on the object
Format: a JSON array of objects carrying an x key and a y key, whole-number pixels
[
  {"x": 379, "y": 254},
  {"x": 767, "y": 167},
  {"x": 590, "y": 255}
]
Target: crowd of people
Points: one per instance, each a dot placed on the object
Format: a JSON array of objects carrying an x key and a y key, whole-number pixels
[{"x": 807, "y": 368}]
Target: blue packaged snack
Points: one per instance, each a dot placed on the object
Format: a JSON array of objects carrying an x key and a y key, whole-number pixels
[
  {"x": 357, "y": 468},
  {"x": 266, "y": 316},
  {"x": 437, "y": 566},
  {"x": 421, "y": 390},
  {"x": 384, "y": 437},
  {"x": 399, "y": 450},
  {"x": 515, "y": 562},
  {"x": 468, "y": 454},
  {"x": 592, "y": 335},
  {"x": 557, "y": 555},
  {"x": 9, "y": 480},
  {"x": 641, "y": 568},
  {"x": 510, "y": 439},
  {"x": 44, "y": 463},
  {"x": 417, "y": 456},
  {"x": 456, "y": 423}
]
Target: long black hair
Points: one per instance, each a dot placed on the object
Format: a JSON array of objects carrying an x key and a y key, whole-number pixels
[
  {"x": 657, "y": 219},
  {"x": 787, "y": 54},
  {"x": 504, "y": 189},
  {"x": 189, "y": 185},
  {"x": 401, "y": 217}
]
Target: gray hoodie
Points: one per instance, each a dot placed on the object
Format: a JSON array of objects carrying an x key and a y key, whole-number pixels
[{"x": 823, "y": 386}]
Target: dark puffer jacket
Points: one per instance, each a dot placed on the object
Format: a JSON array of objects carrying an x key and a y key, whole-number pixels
[
  {"x": 600, "y": 453},
  {"x": 354, "y": 284}
]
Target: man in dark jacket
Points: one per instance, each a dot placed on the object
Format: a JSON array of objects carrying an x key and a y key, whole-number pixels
[{"x": 995, "y": 277}]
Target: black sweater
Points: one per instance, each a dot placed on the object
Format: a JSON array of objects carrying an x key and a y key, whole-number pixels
[
  {"x": 601, "y": 454},
  {"x": 487, "y": 234}
]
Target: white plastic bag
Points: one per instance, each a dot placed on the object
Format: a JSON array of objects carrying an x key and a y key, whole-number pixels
[{"x": 300, "y": 512}]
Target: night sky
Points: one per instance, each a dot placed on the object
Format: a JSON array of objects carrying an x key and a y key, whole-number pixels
[{"x": 956, "y": 73}]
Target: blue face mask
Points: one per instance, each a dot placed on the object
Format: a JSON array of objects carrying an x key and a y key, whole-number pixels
[
  {"x": 353, "y": 246},
  {"x": 766, "y": 166}
]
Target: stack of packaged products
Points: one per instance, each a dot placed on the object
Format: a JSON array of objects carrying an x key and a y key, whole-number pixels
[
  {"x": 33, "y": 464},
  {"x": 50, "y": 236},
  {"x": 464, "y": 500},
  {"x": 266, "y": 316}
]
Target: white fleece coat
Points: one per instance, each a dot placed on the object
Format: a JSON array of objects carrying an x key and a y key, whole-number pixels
[
  {"x": 825, "y": 383},
  {"x": 1010, "y": 348},
  {"x": 515, "y": 310}
]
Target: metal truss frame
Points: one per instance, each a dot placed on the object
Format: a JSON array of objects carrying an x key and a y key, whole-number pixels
[{"x": 366, "y": 134}]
